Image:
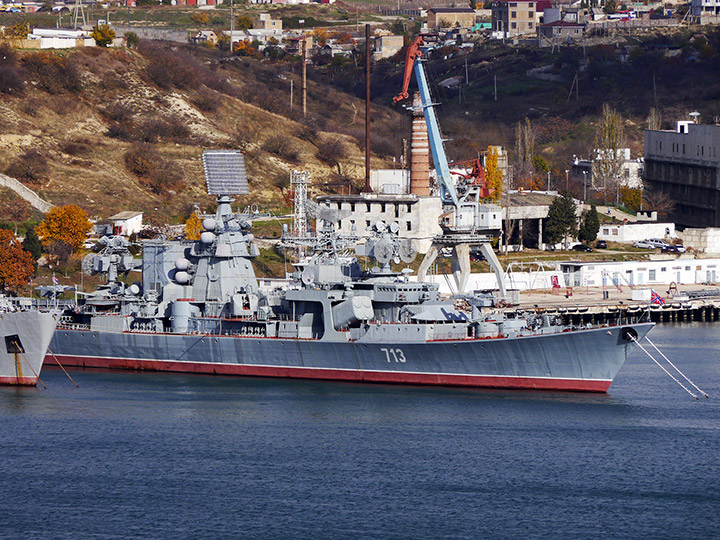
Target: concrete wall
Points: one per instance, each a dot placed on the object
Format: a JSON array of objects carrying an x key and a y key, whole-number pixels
[
  {"x": 703, "y": 240},
  {"x": 178, "y": 36},
  {"x": 26, "y": 193}
]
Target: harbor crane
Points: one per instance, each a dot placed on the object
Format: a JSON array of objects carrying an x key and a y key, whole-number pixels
[{"x": 467, "y": 219}]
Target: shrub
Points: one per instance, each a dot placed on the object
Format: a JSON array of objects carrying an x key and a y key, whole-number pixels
[
  {"x": 206, "y": 101},
  {"x": 154, "y": 172},
  {"x": 282, "y": 147},
  {"x": 52, "y": 73},
  {"x": 12, "y": 80},
  {"x": 30, "y": 167},
  {"x": 331, "y": 151},
  {"x": 132, "y": 39}
]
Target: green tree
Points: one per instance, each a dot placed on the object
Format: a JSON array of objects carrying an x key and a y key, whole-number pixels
[
  {"x": 561, "y": 221},
  {"x": 590, "y": 225},
  {"x": 132, "y": 39},
  {"x": 243, "y": 22},
  {"x": 103, "y": 35},
  {"x": 630, "y": 198},
  {"x": 541, "y": 164},
  {"x": 32, "y": 244}
]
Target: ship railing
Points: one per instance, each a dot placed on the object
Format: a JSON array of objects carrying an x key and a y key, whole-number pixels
[{"x": 62, "y": 325}]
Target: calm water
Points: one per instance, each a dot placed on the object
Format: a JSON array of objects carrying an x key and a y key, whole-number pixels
[{"x": 162, "y": 456}]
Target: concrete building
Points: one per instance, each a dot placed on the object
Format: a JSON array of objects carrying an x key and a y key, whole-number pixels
[
  {"x": 450, "y": 17},
  {"x": 681, "y": 271},
  {"x": 561, "y": 30},
  {"x": 685, "y": 164},
  {"x": 387, "y": 46},
  {"x": 416, "y": 216},
  {"x": 266, "y": 22},
  {"x": 514, "y": 18},
  {"x": 705, "y": 8},
  {"x": 127, "y": 223},
  {"x": 627, "y": 233},
  {"x": 631, "y": 175},
  {"x": 205, "y": 36}
]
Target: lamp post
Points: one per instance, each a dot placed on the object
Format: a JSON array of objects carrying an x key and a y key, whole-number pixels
[
  {"x": 567, "y": 184},
  {"x": 548, "y": 182},
  {"x": 584, "y": 186}
]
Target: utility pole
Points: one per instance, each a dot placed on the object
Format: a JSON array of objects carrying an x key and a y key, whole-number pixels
[
  {"x": 367, "y": 108},
  {"x": 232, "y": 26},
  {"x": 567, "y": 179},
  {"x": 291, "y": 94},
  {"x": 304, "y": 75},
  {"x": 548, "y": 182}
]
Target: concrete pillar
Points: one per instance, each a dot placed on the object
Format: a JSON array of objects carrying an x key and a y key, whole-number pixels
[{"x": 540, "y": 231}]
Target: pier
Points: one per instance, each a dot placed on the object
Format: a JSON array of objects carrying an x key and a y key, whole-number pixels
[{"x": 595, "y": 306}]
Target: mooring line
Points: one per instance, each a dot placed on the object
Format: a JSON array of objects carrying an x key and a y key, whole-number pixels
[
  {"x": 61, "y": 367},
  {"x": 29, "y": 364},
  {"x": 662, "y": 367},
  {"x": 676, "y": 368}
]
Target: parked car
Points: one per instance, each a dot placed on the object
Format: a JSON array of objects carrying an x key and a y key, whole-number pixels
[
  {"x": 657, "y": 243},
  {"x": 674, "y": 248},
  {"x": 644, "y": 244},
  {"x": 582, "y": 247},
  {"x": 601, "y": 244}
]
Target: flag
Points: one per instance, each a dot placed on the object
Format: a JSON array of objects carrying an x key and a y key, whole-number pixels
[
  {"x": 655, "y": 298},
  {"x": 55, "y": 280}
]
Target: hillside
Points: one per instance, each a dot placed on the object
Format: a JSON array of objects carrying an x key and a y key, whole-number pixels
[{"x": 119, "y": 129}]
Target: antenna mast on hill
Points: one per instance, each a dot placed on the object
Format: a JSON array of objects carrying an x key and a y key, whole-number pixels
[{"x": 79, "y": 15}]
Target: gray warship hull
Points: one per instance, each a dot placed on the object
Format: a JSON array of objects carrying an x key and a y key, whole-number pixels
[
  {"x": 576, "y": 360},
  {"x": 25, "y": 339}
]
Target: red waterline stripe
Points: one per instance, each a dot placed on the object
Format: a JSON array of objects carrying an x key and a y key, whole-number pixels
[
  {"x": 441, "y": 379},
  {"x": 19, "y": 381}
]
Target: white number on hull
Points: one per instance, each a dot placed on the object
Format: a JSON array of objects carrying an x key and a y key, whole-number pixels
[{"x": 397, "y": 354}]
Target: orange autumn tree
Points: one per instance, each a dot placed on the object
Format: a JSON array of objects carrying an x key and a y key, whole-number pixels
[
  {"x": 68, "y": 224},
  {"x": 193, "y": 226},
  {"x": 16, "y": 264}
]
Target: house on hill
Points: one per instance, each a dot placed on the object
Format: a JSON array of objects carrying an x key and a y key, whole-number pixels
[
  {"x": 127, "y": 223},
  {"x": 514, "y": 18},
  {"x": 442, "y": 17}
]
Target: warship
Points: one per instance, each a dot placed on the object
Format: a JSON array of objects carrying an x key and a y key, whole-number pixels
[
  {"x": 200, "y": 309},
  {"x": 26, "y": 334}
]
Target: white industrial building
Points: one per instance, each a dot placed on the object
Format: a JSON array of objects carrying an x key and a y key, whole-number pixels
[
  {"x": 127, "y": 223},
  {"x": 610, "y": 274},
  {"x": 681, "y": 271},
  {"x": 627, "y": 233}
]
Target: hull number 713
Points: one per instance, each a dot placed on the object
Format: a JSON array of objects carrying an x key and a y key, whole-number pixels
[{"x": 397, "y": 355}]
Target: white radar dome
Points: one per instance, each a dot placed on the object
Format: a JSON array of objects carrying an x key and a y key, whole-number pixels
[
  {"x": 182, "y": 264},
  {"x": 207, "y": 237},
  {"x": 182, "y": 277},
  {"x": 209, "y": 224}
]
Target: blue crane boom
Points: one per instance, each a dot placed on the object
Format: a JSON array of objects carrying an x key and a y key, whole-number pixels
[{"x": 448, "y": 192}]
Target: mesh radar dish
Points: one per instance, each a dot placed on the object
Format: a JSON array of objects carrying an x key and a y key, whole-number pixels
[
  {"x": 225, "y": 172},
  {"x": 383, "y": 251},
  {"x": 407, "y": 251}
]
